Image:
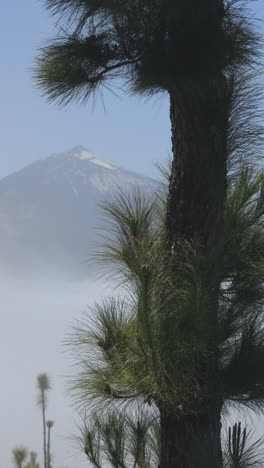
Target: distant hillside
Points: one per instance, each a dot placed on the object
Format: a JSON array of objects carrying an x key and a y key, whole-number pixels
[{"x": 49, "y": 211}]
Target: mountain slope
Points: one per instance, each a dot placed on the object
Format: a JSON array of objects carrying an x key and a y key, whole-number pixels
[{"x": 49, "y": 211}]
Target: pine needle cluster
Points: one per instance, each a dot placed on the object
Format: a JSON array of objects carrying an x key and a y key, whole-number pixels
[
  {"x": 153, "y": 45},
  {"x": 120, "y": 439},
  {"x": 158, "y": 341}
]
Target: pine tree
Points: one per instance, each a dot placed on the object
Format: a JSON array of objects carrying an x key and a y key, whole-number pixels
[
  {"x": 157, "y": 343},
  {"x": 199, "y": 52},
  {"x": 194, "y": 50}
]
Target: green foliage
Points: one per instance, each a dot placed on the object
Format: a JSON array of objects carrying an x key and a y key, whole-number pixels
[
  {"x": 43, "y": 384},
  {"x": 153, "y": 44},
  {"x": 19, "y": 456},
  {"x": 129, "y": 220},
  {"x": 33, "y": 461},
  {"x": 119, "y": 439},
  {"x": 50, "y": 424},
  {"x": 163, "y": 339},
  {"x": 132, "y": 439}
]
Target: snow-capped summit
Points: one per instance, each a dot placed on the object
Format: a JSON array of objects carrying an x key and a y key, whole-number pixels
[
  {"x": 79, "y": 152},
  {"x": 49, "y": 210}
]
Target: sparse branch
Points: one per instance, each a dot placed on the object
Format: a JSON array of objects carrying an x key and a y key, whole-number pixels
[
  {"x": 119, "y": 438},
  {"x": 242, "y": 450}
]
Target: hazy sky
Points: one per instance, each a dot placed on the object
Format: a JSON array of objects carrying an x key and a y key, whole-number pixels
[
  {"x": 36, "y": 317},
  {"x": 128, "y": 131}
]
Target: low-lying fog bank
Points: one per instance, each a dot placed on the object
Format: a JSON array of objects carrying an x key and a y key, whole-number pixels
[{"x": 36, "y": 317}]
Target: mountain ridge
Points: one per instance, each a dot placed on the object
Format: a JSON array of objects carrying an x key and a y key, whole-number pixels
[{"x": 49, "y": 210}]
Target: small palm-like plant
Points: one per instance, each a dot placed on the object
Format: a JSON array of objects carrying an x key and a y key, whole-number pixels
[
  {"x": 19, "y": 456},
  {"x": 50, "y": 424},
  {"x": 43, "y": 384},
  {"x": 32, "y": 461}
]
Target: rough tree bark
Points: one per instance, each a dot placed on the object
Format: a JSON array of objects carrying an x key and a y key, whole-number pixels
[
  {"x": 195, "y": 209},
  {"x": 190, "y": 440},
  {"x": 198, "y": 180}
]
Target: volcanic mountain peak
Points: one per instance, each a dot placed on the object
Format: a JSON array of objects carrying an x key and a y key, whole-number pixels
[
  {"x": 80, "y": 152},
  {"x": 49, "y": 210}
]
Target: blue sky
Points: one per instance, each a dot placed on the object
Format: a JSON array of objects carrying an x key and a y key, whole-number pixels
[{"x": 128, "y": 131}]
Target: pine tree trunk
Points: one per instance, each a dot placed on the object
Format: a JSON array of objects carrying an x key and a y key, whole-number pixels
[
  {"x": 190, "y": 440},
  {"x": 195, "y": 210},
  {"x": 198, "y": 181}
]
